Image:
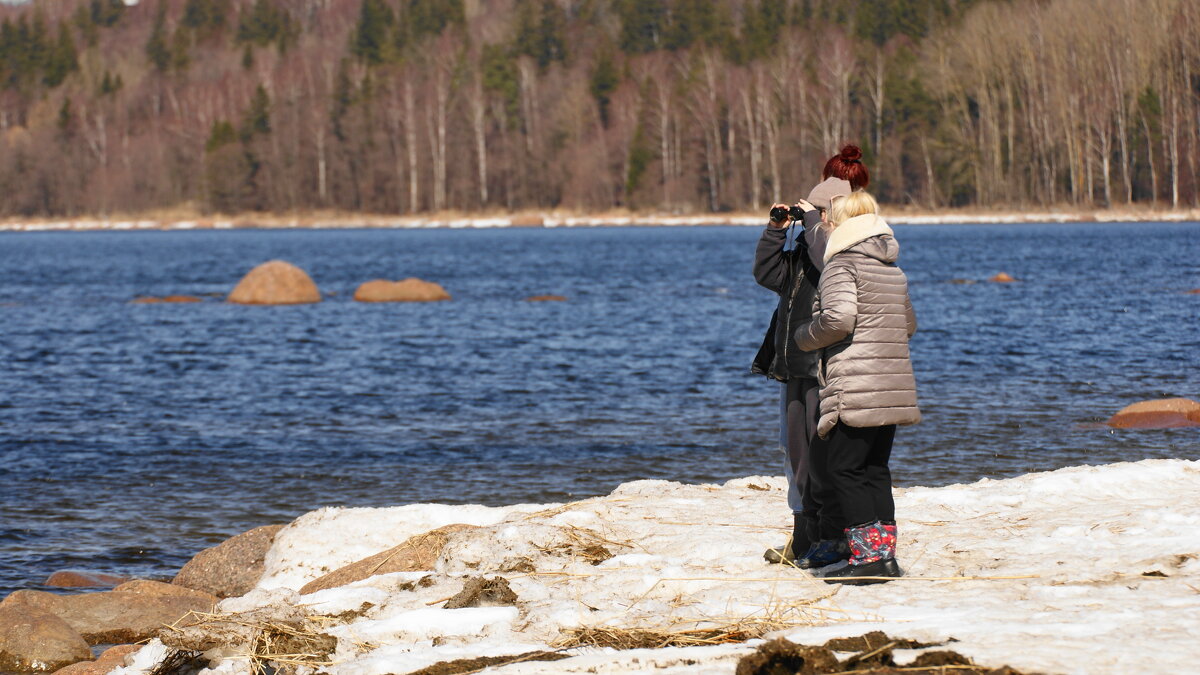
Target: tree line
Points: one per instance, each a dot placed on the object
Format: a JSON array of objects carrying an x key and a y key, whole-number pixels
[{"x": 403, "y": 106}]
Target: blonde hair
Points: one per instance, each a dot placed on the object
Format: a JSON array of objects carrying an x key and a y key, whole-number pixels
[{"x": 857, "y": 203}]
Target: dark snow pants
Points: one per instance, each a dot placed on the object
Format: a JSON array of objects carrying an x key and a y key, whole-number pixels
[
  {"x": 809, "y": 494},
  {"x": 849, "y": 468}
]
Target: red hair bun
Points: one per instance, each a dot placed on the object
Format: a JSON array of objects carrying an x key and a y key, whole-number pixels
[{"x": 848, "y": 166}]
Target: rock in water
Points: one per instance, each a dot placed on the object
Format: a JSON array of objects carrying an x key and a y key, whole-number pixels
[
  {"x": 275, "y": 283},
  {"x": 546, "y": 298},
  {"x": 1003, "y": 278},
  {"x": 110, "y": 617},
  {"x": 1165, "y": 413},
  {"x": 232, "y": 568},
  {"x": 409, "y": 290},
  {"x": 147, "y": 587},
  {"x": 416, "y": 554},
  {"x": 78, "y": 579},
  {"x": 31, "y": 640}
]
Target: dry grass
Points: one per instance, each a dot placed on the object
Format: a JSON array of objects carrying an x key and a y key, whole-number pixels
[
  {"x": 777, "y": 615},
  {"x": 265, "y": 642}
]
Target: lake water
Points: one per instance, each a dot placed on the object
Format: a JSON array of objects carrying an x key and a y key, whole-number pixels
[{"x": 131, "y": 436}]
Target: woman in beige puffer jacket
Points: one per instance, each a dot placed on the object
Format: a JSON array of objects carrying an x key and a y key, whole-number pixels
[{"x": 862, "y": 325}]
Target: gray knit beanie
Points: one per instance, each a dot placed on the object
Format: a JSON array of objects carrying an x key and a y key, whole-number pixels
[{"x": 822, "y": 195}]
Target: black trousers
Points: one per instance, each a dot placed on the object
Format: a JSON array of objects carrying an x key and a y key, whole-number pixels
[{"x": 849, "y": 469}]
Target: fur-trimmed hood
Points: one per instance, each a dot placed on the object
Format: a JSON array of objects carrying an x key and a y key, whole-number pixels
[{"x": 867, "y": 234}]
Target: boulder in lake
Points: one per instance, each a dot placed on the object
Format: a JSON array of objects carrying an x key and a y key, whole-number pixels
[
  {"x": 35, "y": 641},
  {"x": 110, "y": 617},
  {"x": 1003, "y": 278},
  {"x": 409, "y": 290},
  {"x": 113, "y": 657},
  {"x": 147, "y": 587},
  {"x": 79, "y": 579},
  {"x": 232, "y": 568},
  {"x": 176, "y": 299},
  {"x": 416, "y": 554},
  {"x": 1165, "y": 413},
  {"x": 546, "y": 298},
  {"x": 275, "y": 283}
]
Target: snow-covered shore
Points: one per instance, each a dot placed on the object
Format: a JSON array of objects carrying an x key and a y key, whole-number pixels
[
  {"x": 461, "y": 221},
  {"x": 1080, "y": 570}
]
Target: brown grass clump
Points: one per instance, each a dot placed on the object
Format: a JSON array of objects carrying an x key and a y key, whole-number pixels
[
  {"x": 269, "y": 642},
  {"x": 736, "y": 631},
  {"x": 584, "y": 544}
]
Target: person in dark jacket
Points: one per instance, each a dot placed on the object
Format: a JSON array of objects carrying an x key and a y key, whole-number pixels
[{"x": 787, "y": 262}]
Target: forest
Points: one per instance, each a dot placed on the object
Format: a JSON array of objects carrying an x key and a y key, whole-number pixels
[{"x": 672, "y": 106}]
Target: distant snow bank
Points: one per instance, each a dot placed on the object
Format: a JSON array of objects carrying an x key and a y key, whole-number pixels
[
  {"x": 1086, "y": 569},
  {"x": 317, "y": 221}
]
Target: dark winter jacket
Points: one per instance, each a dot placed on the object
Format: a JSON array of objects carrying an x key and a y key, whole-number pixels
[
  {"x": 793, "y": 276},
  {"x": 862, "y": 327}
]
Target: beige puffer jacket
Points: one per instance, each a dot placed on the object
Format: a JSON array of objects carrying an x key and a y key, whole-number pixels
[{"x": 862, "y": 321}]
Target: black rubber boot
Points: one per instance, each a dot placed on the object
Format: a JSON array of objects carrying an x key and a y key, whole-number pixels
[
  {"x": 803, "y": 529},
  {"x": 878, "y": 572}
]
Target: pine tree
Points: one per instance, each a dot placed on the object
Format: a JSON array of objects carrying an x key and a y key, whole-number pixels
[
  {"x": 604, "y": 82},
  {"x": 62, "y": 59},
  {"x": 431, "y": 17},
  {"x": 642, "y": 24},
  {"x": 258, "y": 116},
  {"x": 205, "y": 17},
  {"x": 371, "y": 39},
  {"x": 106, "y": 13},
  {"x": 541, "y": 31},
  {"x": 156, "y": 46},
  {"x": 180, "y": 44},
  {"x": 500, "y": 77},
  {"x": 691, "y": 21},
  {"x": 222, "y": 134}
]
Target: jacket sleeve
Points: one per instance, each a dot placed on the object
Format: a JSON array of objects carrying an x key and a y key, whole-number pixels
[
  {"x": 835, "y": 319},
  {"x": 770, "y": 262},
  {"x": 910, "y": 315}
]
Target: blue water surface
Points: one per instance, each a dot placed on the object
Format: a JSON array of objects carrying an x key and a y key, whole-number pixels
[{"x": 131, "y": 435}]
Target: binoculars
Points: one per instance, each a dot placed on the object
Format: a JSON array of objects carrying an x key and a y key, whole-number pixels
[{"x": 781, "y": 213}]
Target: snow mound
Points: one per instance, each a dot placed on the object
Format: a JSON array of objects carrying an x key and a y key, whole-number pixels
[{"x": 1077, "y": 570}]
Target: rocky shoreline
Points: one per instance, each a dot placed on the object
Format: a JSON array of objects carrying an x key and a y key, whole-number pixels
[{"x": 649, "y": 577}]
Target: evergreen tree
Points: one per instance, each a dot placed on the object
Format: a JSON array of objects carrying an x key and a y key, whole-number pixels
[
  {"x": 222, "y": 134},
  {"x": 156, "y": 45},
  {"x": 604, "y": 82},
  {"x": 66, "y": 119},
  {"x": 642, "y": 24},
  {"x": 431, "y": 17},
  {"x": 266, "y": 23},
  {"x": 110, "y": 85},
  {"x": 690, "y": 21},
  {"x": 258, "y": 116},
  {"x": 106, "y": 13},
  {"x": 640, "y": 155},
  {"x": 205, "y": 17},
  {"x": 541, "y": 31},
  {"x": 180, "y": 44},
  {"x": 344, "y": 97},
  {"x": 371, "y": 37},
  {"x": 62, "y": 59},
  {"x": 500, "y": 77}
]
